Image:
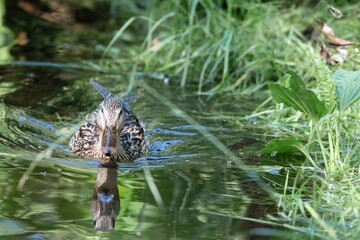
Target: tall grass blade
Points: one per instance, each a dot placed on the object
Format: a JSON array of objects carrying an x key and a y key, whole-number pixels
[
  {"x": 152, "y": 29},
  {"x": 320, "y": 221},
  {"x": 188, "y": 48},
  {"x": 117, "y": 35}
]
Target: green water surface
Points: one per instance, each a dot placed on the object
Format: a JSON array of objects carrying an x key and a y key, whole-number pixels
[{"x": 197, "y": 188}]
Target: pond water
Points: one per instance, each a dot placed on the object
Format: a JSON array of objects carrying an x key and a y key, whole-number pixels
[{"x": 186, "y": 188}]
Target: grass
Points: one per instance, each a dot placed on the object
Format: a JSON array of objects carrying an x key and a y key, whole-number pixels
[
  {"x": 238, "y": 47},
  {"x": 325, "y": 198}
]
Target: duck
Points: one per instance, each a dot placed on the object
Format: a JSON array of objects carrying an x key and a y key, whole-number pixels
[{"x": 112, "y": 133}]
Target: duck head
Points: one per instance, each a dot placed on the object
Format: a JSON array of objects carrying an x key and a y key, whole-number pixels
[{"x": 110, "y": 121}]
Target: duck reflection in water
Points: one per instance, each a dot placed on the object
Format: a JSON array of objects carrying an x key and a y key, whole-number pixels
[{"x": 105, "y": 204}]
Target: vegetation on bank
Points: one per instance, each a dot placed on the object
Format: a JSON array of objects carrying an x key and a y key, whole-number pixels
[
  {"x": 233, "y": 47},
  {"x": 322, "y": 197}
]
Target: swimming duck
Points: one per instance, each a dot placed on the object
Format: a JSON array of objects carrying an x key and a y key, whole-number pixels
[{"x": 112, "y": 133}]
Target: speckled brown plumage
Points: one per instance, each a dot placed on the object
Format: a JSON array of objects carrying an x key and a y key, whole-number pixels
[{"x": 110, "y": 134}]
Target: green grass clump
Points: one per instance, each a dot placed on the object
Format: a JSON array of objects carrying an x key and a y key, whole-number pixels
[
  {"x": 323, "y": 198},
  {"x": 224, "y": 46},
  {"x": 238, "y": 46},
  {"x": 230, "y": 46}
]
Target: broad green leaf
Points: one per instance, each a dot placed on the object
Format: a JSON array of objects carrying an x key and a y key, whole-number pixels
[
  {"x": 347, "y": 86},
  {"x": 325, "y": 84},
  {"x": 282, "y": 146},
  {"x": 301, "y": 99},
  {"x": 295, "y": 81}
]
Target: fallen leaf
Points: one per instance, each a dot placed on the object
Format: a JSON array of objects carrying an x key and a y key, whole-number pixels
[
  {"x": 59, "y": 14},
  {"x": 334, "y": 40}
]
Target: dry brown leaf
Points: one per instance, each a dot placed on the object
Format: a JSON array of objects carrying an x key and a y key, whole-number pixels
[
  {"x": 334, "y": 40},
  {"x": 59, "y": 14}
]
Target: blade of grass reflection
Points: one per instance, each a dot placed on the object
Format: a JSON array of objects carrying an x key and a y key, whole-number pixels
[
  {"x": 46, "y": 153},
  {"x": 210, "y": 137},
  {"x": 153, "y": 188},
  {"x": 188, "y": 180},
  {"x": 43, "y": 154}
]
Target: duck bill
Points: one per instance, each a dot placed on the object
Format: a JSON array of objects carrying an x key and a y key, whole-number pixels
[{"x": 108, "y": 142}]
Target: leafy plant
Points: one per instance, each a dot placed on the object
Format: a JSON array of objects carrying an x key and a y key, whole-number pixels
[
  {"x": 286, "y": 146},
  {"x": 334, "y": 180},
  {"x": 343, "y": 88},
  {"x": 347, "y": 86},
  {"x": 299, "y": 97},
  {"x": 282, "y": 146}
]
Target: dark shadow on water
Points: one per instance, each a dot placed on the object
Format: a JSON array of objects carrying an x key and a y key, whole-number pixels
[{"x": 105, "y": 203}]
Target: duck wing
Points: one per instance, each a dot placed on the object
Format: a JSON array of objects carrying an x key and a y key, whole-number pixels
[
  {"x": 132, "y": 137},
  {"x": 84, "y": 140}
]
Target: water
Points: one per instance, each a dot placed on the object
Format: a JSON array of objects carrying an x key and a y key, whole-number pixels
[{"x": 185, "y": 189}]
